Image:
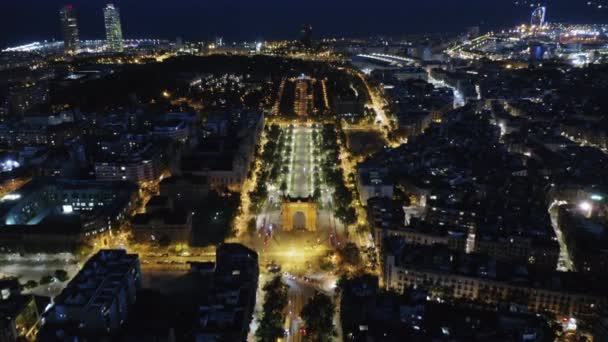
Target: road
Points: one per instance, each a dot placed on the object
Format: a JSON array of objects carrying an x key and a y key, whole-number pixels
[
  {"x": 299, "y": 253},
  {"x": 38, "y": 265},
  {"x": 564, "y": 262},
  {"x": 377, "y": 102},
  {"x": 302, "y": 163},
  {"x": 459, "y": 99},
  {"x": 241, "y": 220},
  {"x": 300, "y": 291},
  {"x": 298, "y": 297},
  {"x": 34, "y": 266}
]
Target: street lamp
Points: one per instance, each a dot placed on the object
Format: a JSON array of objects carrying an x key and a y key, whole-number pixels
[{"x": 586, "y": 207}]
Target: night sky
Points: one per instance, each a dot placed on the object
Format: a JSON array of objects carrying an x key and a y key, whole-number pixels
[{"x": 27, "y": 20}]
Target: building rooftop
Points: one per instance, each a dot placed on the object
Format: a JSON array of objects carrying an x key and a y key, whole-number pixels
[
  {"x": 374, "y": 176},
  {"x": 96, "y": 284},
  {"x": 50, "y": 198},
  {"x": 440, "y": 259}
]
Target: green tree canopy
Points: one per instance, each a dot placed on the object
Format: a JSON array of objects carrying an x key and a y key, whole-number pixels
[
  {"x": 318, "y": 315},
  {"x": 275, "y": 300}
]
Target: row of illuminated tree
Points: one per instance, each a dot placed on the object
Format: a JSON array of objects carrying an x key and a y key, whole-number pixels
[
  {"x": 270, "y": 170},
  {"x": 317, "y": 314},
  {"x": 333, "y": 175}
]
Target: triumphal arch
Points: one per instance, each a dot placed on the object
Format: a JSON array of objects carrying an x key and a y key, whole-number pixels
[{"x": 294, "y": 208}]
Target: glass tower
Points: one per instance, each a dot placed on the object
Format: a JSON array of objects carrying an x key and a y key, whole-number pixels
[
  {"x": 113, "y": 28},
  {"x": 538, "y": 16},
  {"x": 69, "y": 26}
]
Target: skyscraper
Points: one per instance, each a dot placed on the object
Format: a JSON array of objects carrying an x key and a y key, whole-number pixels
[
  {"x": 113, "y": 28},
  {"x": 306, "y": 36},
  {"x": 69, "y": 26},
  {"x": 538, "y": 16}
]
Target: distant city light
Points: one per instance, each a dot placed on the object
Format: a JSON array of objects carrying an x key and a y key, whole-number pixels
[
  {"x": 571, "y": 324},
  {"x": 11, "y": 197},
  {"x": 597, "y": 197},
  {"x": 25, "y": 48},
  {"x": 9, "y": 165},
  {"x": 299, "y": 146},
  {"x": 586, "y": 207}
]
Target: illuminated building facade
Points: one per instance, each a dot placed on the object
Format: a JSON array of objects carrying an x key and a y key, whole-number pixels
[
  {"x": 113, "y": 28},
  {"x": 538, "y": 16},
  {"x": 294, "y": 208},
  {"x": 144, "y": 164},
  {"x": 20, "y": 316},
  {"x": 69, "y": 26},
  {"x": 478, "y": 277},
  {"x": 60, "y": 215}
]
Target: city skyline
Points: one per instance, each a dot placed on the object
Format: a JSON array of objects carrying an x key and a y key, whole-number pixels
[
  {"x": 196, "y": 21},
  {"x": 321, "y": 171}
]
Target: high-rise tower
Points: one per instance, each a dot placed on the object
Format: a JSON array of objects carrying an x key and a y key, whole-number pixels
[
  {"x": 306, "y": 36},
  {"x": 113, "y": 28},
  {"x": 538, "y": 16},
  {"x": 69, "y": 26}
]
